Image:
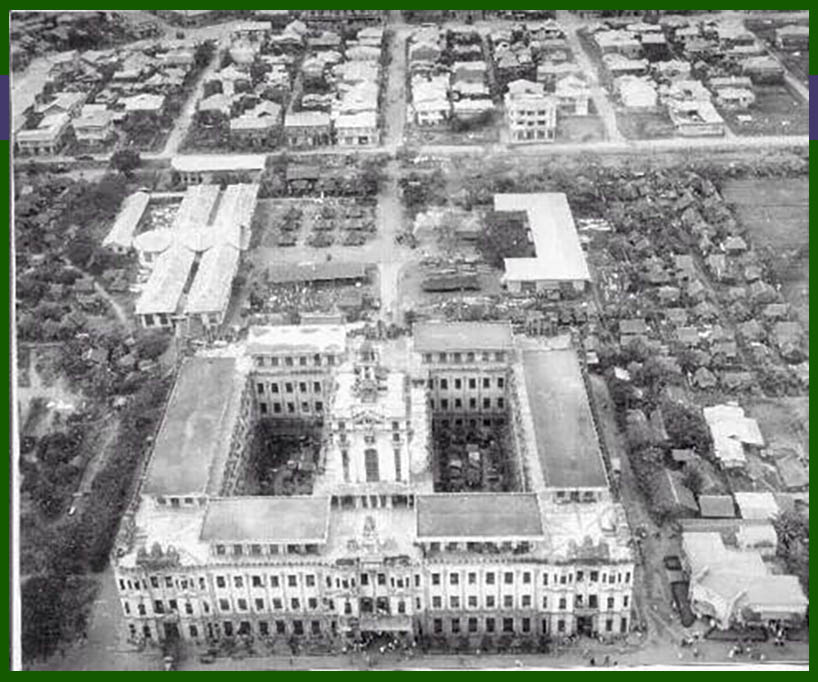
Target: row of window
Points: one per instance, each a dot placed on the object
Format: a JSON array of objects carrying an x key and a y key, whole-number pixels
[
  {"x": 429, "y": 358},
  {"x": 259, "y": 550},
  {"x": 509, "y": 625},
  {"x": 168, "y": 581},
  {"x": 508, "y": 576},
  {"x": 341, "y": 425},
  {"x": 457, "y": 404},
  {"x": 526, "y": 602},
  {"x": 293, "y": 361},
  {"x": 289, "y": 407},
  {"x": 289, "y": 387},
  {"x": 309, "y": 580},
  {"x": 244, "y": 628},
  {"x": 471, "y": 383}
]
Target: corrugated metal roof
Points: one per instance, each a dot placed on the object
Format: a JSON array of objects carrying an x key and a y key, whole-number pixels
[
  {"x": 133, "y": 208},
  {"x": 166, "y": 283},
  {"x": 559, "y": 256},
  {"x": 211, "y": 288}
]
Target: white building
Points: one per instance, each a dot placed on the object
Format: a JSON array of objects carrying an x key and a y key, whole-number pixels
[
  {"x": 373, "y": 548},
  {"x": 531, "y": 114},
  {"x": 559, "y": 260},
  {"x": 47, "y": 139}
]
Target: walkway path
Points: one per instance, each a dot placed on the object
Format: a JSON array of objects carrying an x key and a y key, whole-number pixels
[
  {"x": 185, "y": 118},
  {"x": 600, "y": 98}
]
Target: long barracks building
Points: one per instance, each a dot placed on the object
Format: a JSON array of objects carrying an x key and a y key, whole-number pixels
[{"x": 380, "y": 544}]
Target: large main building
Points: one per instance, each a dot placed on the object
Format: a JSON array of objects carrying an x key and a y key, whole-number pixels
[{"x": 383, "y": 543}]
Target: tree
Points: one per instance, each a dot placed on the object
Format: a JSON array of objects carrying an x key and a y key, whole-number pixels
[
  {"x": 792, "y": 529},
  {"x": 152, "y": 344},
  {"x": 40, "y": 605},
  {"x": 125, "y": 161},
  {"x": 687, "y": 428},
  {"x": 203, "y": 54},
  {"x": 80, "y": 251}
]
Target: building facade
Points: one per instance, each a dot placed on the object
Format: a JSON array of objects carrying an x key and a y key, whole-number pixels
[{"x": 374, "y": 548}]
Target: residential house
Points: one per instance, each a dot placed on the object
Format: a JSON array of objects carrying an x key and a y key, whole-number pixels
[
  {"x": 63, "y": 63},
  {"x": 430, "y": 100},
  {"x": 636, "y": 92},
  {"x": 144, "y": 107},
  {"x": 94, "y": 126},
  {"x": 47, "y": 139},
  {"x": 763, "y": 69},
  {"x": 655, "y": 47},
  {"x": 470, "y": 72},
  {"x": 258, "y": 126},
  {"x": 253, "y": 31},
  {"x": 549, "y": 72},
  {"x": 792, "y": 37},
  {"x": 307, "y": 128},
  {"x": 204, "y": 169},
  {"x": 467, "y": 109},
  {"x": 735, "y": 98},
  {"x": 671, "y": 70},
  {"x": 732, "y": 433},
  {"x": 623, "y": 43},
  {"x": 63, "y": 103},
  {"x": 572, "y": 95},
  {"x": 617, "y": 65},
  {"x": 357, "y": 130},
  {"x": 531, "y": 114},
  {"x": 684, "y": 91},
  {"x": 733, "y": 586},
  {"x": 695, "y": 118}
]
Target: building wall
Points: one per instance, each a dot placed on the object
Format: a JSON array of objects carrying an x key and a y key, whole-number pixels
[{"x": 438, "y": 597}]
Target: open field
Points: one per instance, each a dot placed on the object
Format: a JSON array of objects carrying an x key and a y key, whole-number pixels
[
  {"x": 580, "y": 129},
  {"x": 776, "y": 212},
  {"x": 637, "y": 125},
  {"x": 784, "y": 422},
  {"x": 777, "y": 111}
]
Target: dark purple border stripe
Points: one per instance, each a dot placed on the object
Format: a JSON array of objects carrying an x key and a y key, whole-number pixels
[
  {"x": 813, "y": 113},
  {"x": 4, "y": 108}
]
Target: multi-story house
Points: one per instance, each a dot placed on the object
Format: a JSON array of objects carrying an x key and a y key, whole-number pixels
[{"x": 531, "y": 114}]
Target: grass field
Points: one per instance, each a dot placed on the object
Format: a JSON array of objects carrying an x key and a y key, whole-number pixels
[
  {"x": 644, "y": 125},
  {"x": 580, "y": 129},
  {"x": 777, "y": 111},
  {"x": 776, "y": 212}
]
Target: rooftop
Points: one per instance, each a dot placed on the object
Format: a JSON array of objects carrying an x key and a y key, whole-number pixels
[
  {"x": 316, "y": 272},
  {"x": 462, "y": 336},
  {"x": 133, "y": 208},
  {"x": 196, "y": 427},
  {"x": 211, "y": 288},
  {"x": 565, "y": 433},
  {"x": 291, "y": 519},
  {"x": 559, "y": 256},
  {"x": 218, "y": 162},
  {"x": 478, "y": 517},
  {"x": 166, "y": 283},
  {"x": 298, "y": 339}
]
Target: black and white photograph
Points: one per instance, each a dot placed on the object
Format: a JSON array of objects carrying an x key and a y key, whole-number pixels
[{"x": 409, "y": 340}]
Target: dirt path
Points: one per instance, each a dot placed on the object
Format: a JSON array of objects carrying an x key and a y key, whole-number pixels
[
  {"x": 389, "y": 219},
  {"x": 394, "y": 115},
  {"x": 185, "y": 118},
  {"x": 600, "y": 98}
]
